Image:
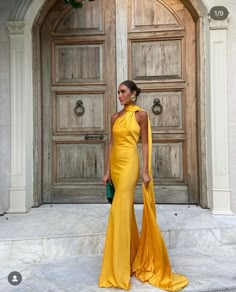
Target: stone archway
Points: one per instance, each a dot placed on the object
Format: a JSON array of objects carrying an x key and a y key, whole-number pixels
[{"x": 25, "y": 166}]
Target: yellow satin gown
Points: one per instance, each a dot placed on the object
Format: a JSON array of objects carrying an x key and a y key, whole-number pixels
[{"x": 125, "y": 254}]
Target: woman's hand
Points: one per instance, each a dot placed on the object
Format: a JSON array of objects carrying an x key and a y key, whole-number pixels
[
  {"x": 146, "y": 178},
  {"x": 105, "y": 178}
]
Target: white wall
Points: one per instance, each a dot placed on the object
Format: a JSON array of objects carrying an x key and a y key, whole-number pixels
[{"x": 6, "y": 8}]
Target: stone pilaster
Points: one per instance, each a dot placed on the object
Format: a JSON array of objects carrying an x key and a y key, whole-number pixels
[
  {"x": 221, "y": 194},
  {"x": 19, "y": 189}
]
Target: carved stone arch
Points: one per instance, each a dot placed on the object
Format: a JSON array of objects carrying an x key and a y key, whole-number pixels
[
  {"x": 197, "y": 8},
  {"x": 20, "y": 10},
  {"x": 29, "y": 11}
]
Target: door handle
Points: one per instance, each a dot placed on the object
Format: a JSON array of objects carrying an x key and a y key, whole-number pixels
[
  {"x": 157, "y": 106},
  {"x": 94, "y": 137},
  {"x": 79, "y": 108}
]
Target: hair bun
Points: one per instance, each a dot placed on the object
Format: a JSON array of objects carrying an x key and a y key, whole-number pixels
[{"x": 138, "y": 91}]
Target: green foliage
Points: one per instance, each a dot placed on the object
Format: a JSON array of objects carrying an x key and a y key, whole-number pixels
[{"x": 74, "y": 3}]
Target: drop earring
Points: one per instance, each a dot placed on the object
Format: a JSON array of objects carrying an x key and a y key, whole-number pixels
[{"x": 133, "y": 98}]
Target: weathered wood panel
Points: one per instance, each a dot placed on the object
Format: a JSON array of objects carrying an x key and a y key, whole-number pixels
[
  {"x": 68, "y": 121},
  {"x": 88, "y": 19},
  {"x": 46, "y": 106},
  {"x": 191, "y": 105},
  {"x": 167, "y": 161},
  {"x": 153, "y": 15},
  {"x": 171, "y": 116},
  {"x": 97, "y": 194},
  {"x": 172, "y": 194},
  {"x": 79, "y": 63},
  {"x": 76, "y": 162},
  {"x": 79, "y": 194},
  {"x": 156, "y": 59}
]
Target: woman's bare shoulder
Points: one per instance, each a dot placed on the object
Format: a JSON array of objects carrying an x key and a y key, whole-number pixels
[
  {"x": 141, "y": 116},
  {"x": 142, "y": 113},
  {"x": 114, "y": 117}
]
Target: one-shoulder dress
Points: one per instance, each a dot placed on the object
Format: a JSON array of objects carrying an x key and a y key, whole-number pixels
[{"x": 125, "y": 253}]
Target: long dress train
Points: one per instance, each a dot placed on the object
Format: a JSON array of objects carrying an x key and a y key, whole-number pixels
[{"x": 124, "y": 253}]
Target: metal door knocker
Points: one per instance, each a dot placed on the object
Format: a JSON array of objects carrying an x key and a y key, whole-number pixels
[
  {"x": 157, "y": 107},
  {"x": 79, "y": 108}
]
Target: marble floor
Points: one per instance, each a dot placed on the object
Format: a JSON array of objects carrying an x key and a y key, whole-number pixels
[
  {"x": 208, "y": 269},
  {"x": 58, "y": 247}
]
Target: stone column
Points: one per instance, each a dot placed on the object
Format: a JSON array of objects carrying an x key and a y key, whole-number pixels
[
  {"x": 21, "y": 122},
  {"x": 221, "y": 194}
]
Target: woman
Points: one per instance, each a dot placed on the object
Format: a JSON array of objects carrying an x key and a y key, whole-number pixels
[{"x": 124, "y": 253}]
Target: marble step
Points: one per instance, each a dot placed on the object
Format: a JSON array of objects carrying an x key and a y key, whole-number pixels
[
  {"x": 208, "y": 269},
  {"x": 73, "y": 230}
]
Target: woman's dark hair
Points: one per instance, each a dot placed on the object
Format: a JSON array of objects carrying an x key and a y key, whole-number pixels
[{"x": 132, "y": 86}]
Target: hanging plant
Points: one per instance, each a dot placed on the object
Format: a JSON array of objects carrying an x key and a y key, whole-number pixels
[{"x": 76, "y": 3}]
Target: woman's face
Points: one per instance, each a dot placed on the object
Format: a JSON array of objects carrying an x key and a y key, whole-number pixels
[{"x": 124, "y": 94}]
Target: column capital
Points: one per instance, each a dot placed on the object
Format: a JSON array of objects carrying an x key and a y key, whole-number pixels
[
  {"x": 218, "y": 24},
  {"x": 16, "y": 27}
]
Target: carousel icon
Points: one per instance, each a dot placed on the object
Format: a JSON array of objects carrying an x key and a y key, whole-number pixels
[{"x": 14, "y": 278}]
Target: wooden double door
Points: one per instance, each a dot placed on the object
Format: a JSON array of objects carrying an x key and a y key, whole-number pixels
[{"x": 79, "y": 79}]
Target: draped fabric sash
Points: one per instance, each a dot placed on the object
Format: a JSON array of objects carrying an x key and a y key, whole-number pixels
[{"x": 152, "y": 263}]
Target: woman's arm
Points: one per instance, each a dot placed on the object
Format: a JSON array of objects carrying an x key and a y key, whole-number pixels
[
  {"x": 142, "y": 119},
  {"x": 107, "y": 176}
]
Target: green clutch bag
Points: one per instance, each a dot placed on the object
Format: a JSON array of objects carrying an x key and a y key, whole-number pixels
[{"x": 110, "y": 191}]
